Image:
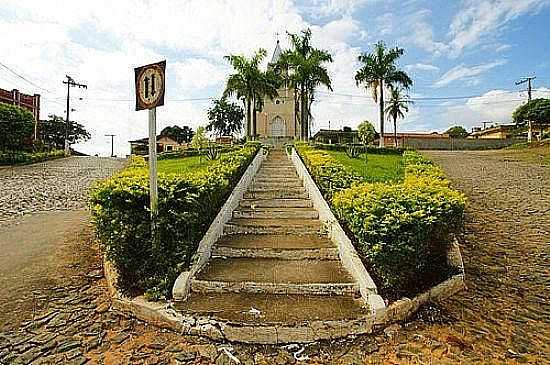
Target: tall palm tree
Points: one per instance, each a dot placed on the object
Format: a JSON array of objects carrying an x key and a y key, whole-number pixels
[
  {"x": 306, "y": 72},
  {"x": 379, "y": 69},
  {"x": 249, "y": 84},
  {"x": 397, "y": 106},
  {"x": 266, "y": 85}
]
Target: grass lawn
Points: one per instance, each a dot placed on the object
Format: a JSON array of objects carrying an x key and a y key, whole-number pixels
[
  {"x": 375, "y": 168},
  {"x": 183, "y": 165}
]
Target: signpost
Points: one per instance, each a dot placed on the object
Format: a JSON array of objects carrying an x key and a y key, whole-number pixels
[{"x": 150, "y": 82}]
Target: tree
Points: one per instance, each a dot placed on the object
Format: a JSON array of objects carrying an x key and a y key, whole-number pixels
[
  {"x": 52, "y": 132},
  {"x": 225, "y": 118},
  {"x": 398, "y": 105},
  {"x": 16, "y": 127},
  {"x": 534, "y": 111},
  {"x": 305, "y": 72},
  {"x": 457, "y": 131},
  {"x": 179, "y": 134},
  {"x": 199, "y": 139},
  {"x": 250, "y": 84},
  {"x": 366, "y": 132},
  {"x": 379, "y": 69}
]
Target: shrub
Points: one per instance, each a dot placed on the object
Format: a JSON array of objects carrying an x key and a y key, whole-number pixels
[
  {"x": 20, "y": 157},
  {"x": 353, "y": 151},
  {"x": 329, "y": 175},
  {"x": 363, "y": 148},
  {"x": 402, "y": 230},
  {"x": 187, "y": 205}
]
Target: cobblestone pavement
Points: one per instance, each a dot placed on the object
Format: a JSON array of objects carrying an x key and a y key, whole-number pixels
[
  {"x": 53, "y": 185},
  {"x": 503, "y": 317}
]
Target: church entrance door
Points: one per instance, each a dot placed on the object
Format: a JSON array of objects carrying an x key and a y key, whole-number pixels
[{"x": 278, "y": 127}]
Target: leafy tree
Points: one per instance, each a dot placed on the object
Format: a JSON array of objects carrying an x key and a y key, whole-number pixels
[
  {"x": 52, "y": 131},
  {"x": 199, "y": 139},
  {"x": 305, "y": 72},
  {"x": 397, "y": 106},
  {"x": 535, "y": 111},
  {"x": 179, "y": 134},
  {"x": 225, "y": 118},
  {"x": 457, "y": 131},
  {"x": 379, "y": 70},
  {"x": 250, "y": 84},
  {"x": 366, "y": 132},
  {"x": 16, "y": 127}
]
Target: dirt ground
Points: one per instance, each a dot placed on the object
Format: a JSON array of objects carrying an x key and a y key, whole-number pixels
[{"x": 503, "y": 316}]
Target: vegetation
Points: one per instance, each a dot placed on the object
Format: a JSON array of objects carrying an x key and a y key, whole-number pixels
[
  {"x": 16, "y": 127},
  {"x": 225, "y": 118},
  {"x": 366, "y": 132},
  {"x": 250, "y": 85},
  {"x": 23, "y": 158},
  {"x": 402, "y": 224},
  {"x": 304, "y": 70},
  {"x": 179, "y": 134},
  {"x": 398, "y": 105},
  {"x": 199, "y": 139},
  {"x": 188, "y": 202},
  {"x": 535, "y": 111},
  {"x": 52, "y": 132},
  {"x": 379, "y": 70},
  {"x": 457, "y": 132}
]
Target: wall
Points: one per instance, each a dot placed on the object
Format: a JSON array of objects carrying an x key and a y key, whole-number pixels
[
  {"x": 459, "y": 143},
  {"x": 285, "y": 109}
]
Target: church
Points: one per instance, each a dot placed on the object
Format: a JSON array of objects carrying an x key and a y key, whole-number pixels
[{"x": 277, "y": 120}]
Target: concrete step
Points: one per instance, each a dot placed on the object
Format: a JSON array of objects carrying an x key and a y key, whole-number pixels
[
  {"x": 295, "y": 213},
  {"x": 277, "y": 174},
  {"x": 283, "y": 247},
  {"x": 273, "y": 226},
  {"x": 272, "y": 276},
  {"x": 277, "y": 167},
  {"x": 278, "y": 163},
  {"x": 276, "y": 184},
  {"x": 287, "y": 193},
  {"x": 275, "y": 203},
  {"x": 274, "y": 309}
]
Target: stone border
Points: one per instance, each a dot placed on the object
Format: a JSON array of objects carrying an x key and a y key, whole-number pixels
[
  {"x": 349, "y": 257},
  {"x": 182, "y": 286}
]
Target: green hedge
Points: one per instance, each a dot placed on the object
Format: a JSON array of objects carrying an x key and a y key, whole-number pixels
[
  {"x": 329, "y": 175},
  {"x": 188, "y": 203},
  {"x": 364, "y": 148},
  {"x": 193, "y": 152},
  {"x": 23, "y": 158},
  {"x": 402, "y": 229}
]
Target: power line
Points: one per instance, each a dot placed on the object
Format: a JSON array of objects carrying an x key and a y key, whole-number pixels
[{"x": 23, "y": 78}]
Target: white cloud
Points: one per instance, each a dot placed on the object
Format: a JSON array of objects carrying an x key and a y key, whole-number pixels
[
  {"x": 462, "y": 72},
  {"x": 478, "y": 19},
  {"x": 321, "y": 8},
  {"x": 422, "y": 67}
]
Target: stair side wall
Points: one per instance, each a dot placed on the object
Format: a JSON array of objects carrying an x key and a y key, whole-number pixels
[{"x": 347, "y": 253}]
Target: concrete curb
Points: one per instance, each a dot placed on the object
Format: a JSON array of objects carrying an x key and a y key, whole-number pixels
[
  {"x": 215, "y": 231},
  {"x": 349, "y": 257}
]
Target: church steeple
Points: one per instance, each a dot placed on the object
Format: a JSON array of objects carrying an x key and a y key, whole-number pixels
[{"x": 276, "y": 53}]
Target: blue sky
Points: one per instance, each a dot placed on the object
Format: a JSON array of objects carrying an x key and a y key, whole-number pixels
[{"x": 470, "y": 49}]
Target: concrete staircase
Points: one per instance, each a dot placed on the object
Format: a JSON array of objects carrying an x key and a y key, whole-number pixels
[{"x": 275, "y": 263}]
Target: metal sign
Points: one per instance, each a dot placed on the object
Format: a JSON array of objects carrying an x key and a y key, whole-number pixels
[{"x": 150, "y": 83}]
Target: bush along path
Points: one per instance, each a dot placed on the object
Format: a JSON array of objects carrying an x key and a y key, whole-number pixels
[{"x": 275, "y": 268}]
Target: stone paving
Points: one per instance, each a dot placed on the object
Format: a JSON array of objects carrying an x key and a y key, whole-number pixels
[{"x": 503, "y": 317}]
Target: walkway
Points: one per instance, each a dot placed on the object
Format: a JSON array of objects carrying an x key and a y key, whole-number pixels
[{"x": 275, "y": 263}]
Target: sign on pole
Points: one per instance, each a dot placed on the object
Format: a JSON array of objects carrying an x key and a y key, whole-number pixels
[{"x": 150, "y": 82}]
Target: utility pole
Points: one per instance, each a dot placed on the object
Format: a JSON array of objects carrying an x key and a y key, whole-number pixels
[
  {"x": 112, "y": 143},
  {"x": 528, "y": 81},
  {"x": 70, "y": 82}
]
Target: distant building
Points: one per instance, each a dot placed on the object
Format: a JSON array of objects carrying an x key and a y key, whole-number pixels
[
  {"x": 505, "y": 131},
  {"x": 164, "y": 144},
  {"x": 336, "y": 136},
  {"x": 28, "y": 102},
  {"x": 403, "y": 138}
]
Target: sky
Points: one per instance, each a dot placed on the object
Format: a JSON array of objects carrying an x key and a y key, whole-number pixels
[{"x": 464, "y": 57}]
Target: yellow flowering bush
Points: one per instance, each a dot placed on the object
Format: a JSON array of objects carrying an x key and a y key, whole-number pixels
[{"x": 187, "y": 205}]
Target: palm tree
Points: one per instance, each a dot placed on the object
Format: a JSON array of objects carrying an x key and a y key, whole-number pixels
[
  {"x": 398, "y": 105},
  {"x": 379, "y": 69},
  {"x": 305, "y": 72},
  {"x": 266, "y": 85},
  {"x": 249, "y": 84}
]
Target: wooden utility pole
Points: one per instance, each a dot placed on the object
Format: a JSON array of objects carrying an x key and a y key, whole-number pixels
[
  {"x": 112, "y": 143},
  {"x": 528, "y": 81},
  {"x": 70, "y": 82}
]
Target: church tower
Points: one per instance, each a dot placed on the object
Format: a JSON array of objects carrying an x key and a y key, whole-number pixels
[{"x": 277, "y": 120}]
